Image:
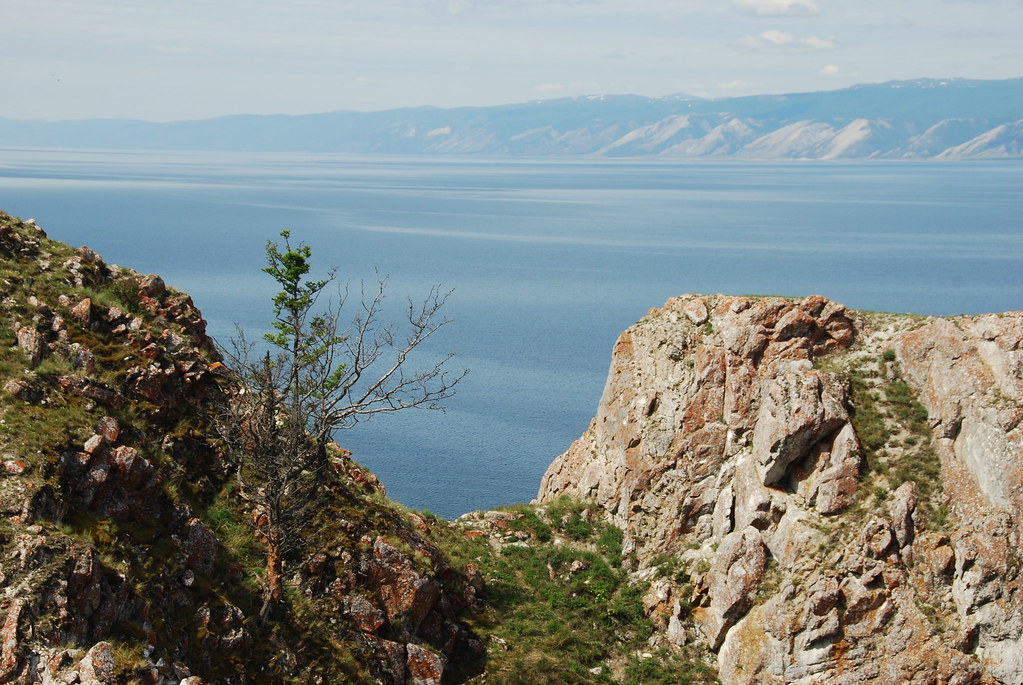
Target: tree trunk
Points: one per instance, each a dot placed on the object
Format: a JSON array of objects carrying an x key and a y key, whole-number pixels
[{"x": 273, "y": 586}]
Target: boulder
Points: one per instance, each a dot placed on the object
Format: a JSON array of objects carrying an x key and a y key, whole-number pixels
[
  {"x": 423, "y": 666},
  {"x": 798, "y": 411}
]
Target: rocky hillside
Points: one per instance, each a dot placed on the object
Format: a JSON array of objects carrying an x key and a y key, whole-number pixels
[
  {"x": 818, "y": 495},
  {"x": 126, "y": 552}
]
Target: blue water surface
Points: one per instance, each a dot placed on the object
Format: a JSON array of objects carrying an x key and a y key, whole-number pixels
[{"x": 549, "y": 261}]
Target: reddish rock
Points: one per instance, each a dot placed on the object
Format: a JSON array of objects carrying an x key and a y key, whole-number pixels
[
  {"x": 17, "y": 467},
  {"x": 31, "y": 342},
  {"x": 152, "y": 286},
  {"x": 94, "y": 443},
  {"x": 391, "y": 661},
  {"x": 419, "y": 522},
  {"x": 109, "y": 428},
  {"x": 98, "y": 663},
  {"x": 77, "y": 385},
  {"x": 424, "y": 667},
  {"x": 474, "y": 577},
  {"x": 82, "y": 312},
  {"x": 367, "y": 617},
  {"x": 88, "y": 256},
  {"x": 9, "y": 641},
  {"x": 316, "y": 564},
  {"x": 404, "y": 592},
  {"x": 134, "y": 471}
]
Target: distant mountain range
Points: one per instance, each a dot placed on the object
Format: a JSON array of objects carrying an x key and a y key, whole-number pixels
[{"x": 920, "y": 119}]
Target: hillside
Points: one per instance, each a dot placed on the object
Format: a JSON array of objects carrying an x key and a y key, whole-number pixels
[{"x": 921, "y": 119}]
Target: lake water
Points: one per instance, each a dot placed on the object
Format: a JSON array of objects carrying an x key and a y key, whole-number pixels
[{"x": 549, "y": 261}]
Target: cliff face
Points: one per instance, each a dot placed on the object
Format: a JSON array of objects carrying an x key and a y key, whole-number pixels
[
  {"x": 127, "y": 553},
  {"x": 842, "y": 491}
]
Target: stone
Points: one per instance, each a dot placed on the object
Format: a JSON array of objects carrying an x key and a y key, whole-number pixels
[
  {"x": 9, "y": 657},
  {"x": 474, "y": 577},
  {"x": 16, "y": 467},
  {"x": 734, "y": 580},
  {"x": 109, "y": 428},
  {"x": 316, "y": 564},
  {"x": 717, "y": 420},
  {"x": 391, "y": 662},
  {"x": 797, "y": 411},
  {"x": 82, "y": 312},
  {"x": 152, "y": 286},
  {"x": 98, "y": 663},
  {"x": 903, "y": 507},
  {"x": 404, "y": 592},
  {"x": 367, "y": 617},
  {"x": 31, "y": 342},
  {"x": 200, "y": 547},
  {"x": 424, "y": 667},
  {"x": 18, "y": 389},
  {"x": 878, "y": 538}
]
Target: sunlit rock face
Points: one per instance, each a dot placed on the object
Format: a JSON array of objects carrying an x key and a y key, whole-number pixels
[{"x": 844, "y": 489}]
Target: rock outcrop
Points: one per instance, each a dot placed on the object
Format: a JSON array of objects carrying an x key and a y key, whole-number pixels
[{"x": 845, "y": 490}]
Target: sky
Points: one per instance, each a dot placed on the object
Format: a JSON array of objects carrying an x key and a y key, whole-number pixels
[{"x": 195, "y": 59}]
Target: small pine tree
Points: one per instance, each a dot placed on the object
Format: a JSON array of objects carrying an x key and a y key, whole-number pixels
[{"x": 326, "y": 374}]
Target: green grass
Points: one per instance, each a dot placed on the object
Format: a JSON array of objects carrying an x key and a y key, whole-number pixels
[
  {"x": 884, "y": 407},
  {"x": 547, "y": 623}
]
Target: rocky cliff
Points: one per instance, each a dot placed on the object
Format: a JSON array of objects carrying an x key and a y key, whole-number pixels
[
  {"x": 817, "y": 495},
  {"x": 127, "y": 554}
]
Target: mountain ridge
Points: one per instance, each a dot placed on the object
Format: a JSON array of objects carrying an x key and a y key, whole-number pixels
[{"x": 969, "y": 110}]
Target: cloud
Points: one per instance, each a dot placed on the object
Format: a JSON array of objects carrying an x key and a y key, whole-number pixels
[
  {"x": 779, "y": 40},
  {"x": 830, "y": 70},
  {"x": 551, "y": 87},
  {"x": 778, "y": 8}
]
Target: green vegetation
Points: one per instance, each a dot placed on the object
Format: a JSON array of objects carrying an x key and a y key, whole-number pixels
[
  {"x": 894, "y": 432},
  {"x": 564, "y": 610}
]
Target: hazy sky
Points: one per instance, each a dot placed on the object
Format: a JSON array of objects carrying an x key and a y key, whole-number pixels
[{"x": 184, "y": 59}]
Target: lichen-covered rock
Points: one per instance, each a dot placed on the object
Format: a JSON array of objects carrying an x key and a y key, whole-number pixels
[{"x": 424, "y": 667}]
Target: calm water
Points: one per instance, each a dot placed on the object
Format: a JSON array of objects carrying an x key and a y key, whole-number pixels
[{"x": 549, "y": 261}]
